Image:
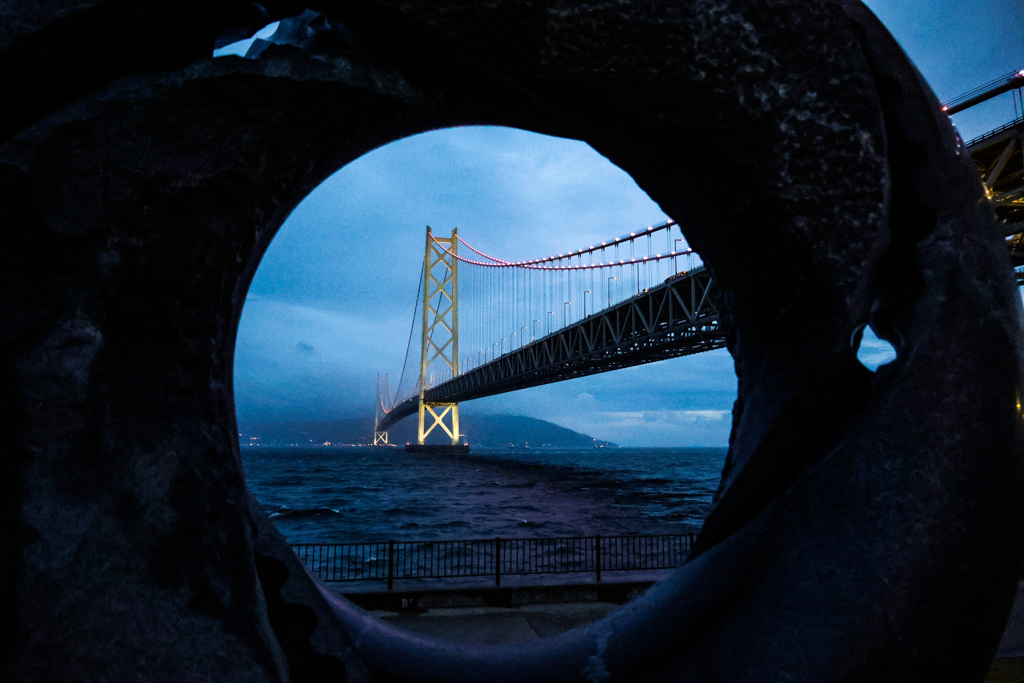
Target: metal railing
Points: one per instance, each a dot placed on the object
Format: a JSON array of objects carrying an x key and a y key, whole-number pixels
[
  {"x": 497, "y": 557},
  {"x": 994, "y": 132}
]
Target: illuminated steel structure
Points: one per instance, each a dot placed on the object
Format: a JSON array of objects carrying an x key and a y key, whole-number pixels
[
  {"x": 380, "y": 436},
  {"x": 999, "y": 159},
  {"x": 440, "y": 340},
  {"x": 1000, "y": 163},
  {"x": 676, "y": 318}
]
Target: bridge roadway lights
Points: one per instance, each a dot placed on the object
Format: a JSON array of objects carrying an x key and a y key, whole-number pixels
[{"x": 867, "y": 527}]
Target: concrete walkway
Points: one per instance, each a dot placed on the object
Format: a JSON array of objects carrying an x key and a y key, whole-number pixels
[
  {"x": 498, "y": 624},
  {"x": 488, "y": 623},
  {"x": 1009, "y": 664}
]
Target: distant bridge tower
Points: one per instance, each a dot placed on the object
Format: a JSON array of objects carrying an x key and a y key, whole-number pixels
[
  {"x": 380, "y": 437},
  {"x": 440, "y": 340}
]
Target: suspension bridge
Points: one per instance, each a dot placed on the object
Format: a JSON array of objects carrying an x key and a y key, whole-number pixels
[{"x": 490, "y": 325}]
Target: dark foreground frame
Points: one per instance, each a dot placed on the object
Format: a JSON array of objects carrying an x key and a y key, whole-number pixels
[{"x": 867, "y": 525}]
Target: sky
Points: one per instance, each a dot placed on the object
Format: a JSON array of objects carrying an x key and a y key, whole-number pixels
[{"x": 332, "y": 302}]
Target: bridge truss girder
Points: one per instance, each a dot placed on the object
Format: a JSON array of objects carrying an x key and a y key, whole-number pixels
[
  {"x": 999, "y": 158},
  {"x": 677, "y": 318}
]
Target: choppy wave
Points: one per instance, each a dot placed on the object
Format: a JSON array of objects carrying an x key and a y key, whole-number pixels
[
  {"x": 302, "y": 513},
  {"x": 337, "y": 494}
]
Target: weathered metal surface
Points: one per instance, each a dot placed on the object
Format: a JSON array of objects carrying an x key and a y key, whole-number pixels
[{"x": 867, "y": 526}]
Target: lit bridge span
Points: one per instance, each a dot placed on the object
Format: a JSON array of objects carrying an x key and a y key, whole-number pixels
[
  {"x": 630, "y": 300},
  {"x": 654, "y": 305}
]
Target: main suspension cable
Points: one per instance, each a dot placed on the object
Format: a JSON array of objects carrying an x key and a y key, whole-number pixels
[{"x": 535, "y": 263}]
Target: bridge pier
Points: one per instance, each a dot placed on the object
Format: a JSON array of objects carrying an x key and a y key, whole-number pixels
[
  {"x": 438, "y": 412},
  {"x": 440, "y": 339},
  {"x": 380, "y": 436}
]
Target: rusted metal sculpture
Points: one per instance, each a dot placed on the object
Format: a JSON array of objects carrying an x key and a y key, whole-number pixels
[{"x": 866, "y": 525}]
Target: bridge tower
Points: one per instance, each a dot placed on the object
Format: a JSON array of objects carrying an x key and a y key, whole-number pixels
[
  {"x": 440, "y": 338},
  {"x": 380, "y": 436}
]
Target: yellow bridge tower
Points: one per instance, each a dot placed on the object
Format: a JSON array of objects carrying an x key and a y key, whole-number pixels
[{"x": 440, "y": 340}]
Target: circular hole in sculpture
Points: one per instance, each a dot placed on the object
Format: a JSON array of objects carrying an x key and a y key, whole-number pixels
[
  {"x": 564, "y": 481},
  {"x": 872, "y": 351},
  {"x": 241, "y": 47}
]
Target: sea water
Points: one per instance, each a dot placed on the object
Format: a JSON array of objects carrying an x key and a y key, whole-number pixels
[{"x": 359, "y": 494}]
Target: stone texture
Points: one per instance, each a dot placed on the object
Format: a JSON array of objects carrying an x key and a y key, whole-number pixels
[{"x": 865, "y": 525}]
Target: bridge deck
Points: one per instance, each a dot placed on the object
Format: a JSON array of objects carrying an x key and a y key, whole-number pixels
[
  {"x": 676, "y": 318},
  {"x": 999, "y": 158}
]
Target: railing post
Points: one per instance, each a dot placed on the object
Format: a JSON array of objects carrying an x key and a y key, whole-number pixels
[
  {"x": 391, "y": 564},
  {"x": 597, "y": 555},
  {"x": 497, "y": 561}
]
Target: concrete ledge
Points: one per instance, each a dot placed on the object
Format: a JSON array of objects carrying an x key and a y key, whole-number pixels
[
  {"x": 614, "y": 592},
  {"x": 507, "y": 614},
  {"x": 1009, "y": 670},
  {"x": 494, "y": 625}
]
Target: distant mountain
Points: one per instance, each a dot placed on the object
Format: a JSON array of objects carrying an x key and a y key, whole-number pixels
[
  {"x": 487, "y": 431},
  {"x": 518, "y": 430}
]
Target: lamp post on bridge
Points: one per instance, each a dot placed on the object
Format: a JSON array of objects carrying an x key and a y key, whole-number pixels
[
  {"x": 522, "y": 336},
  {"x": 565, "y": 313},
  {"x": 535, "y": 321},
  {"x": 585, "y": 292},
  {"x": 610, "y": 289},
  {"x": 550, "y": 313}
]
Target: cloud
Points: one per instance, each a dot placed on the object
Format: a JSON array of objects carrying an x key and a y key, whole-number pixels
[
  {"x": 662, "y": 404},
  {"x": 874, "y": 352},
  {"x": 659, "y": 428},
  {"x": 694, "y": 415},
  {"x": 667, "y": 417},
  {"x": 304, "y": 362}
]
